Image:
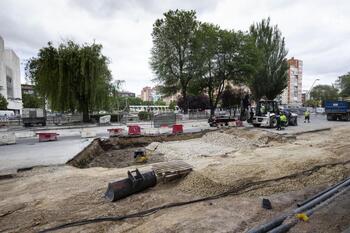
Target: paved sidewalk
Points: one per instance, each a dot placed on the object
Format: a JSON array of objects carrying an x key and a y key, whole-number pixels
[{"x": 13, "y": 157}]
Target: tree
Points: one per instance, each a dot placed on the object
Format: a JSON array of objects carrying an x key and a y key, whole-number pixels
[
  {"x": 173, "y": 53},
  {"x": 231, "y": 98},
  {"x": 324, "y": 92},
  {"x": 172, "y": 105},
  {"x": 3, "y": 102},
  {"x": 32, "y": 101},
  {"x": 72, "y": 77},
  {"x": 159, "y": 102},
  {"x": 271, "y": 76},
  {"x": 344, "y": 81},
  {"x": 311, "y": 103},
  {"x": 224, "y": 56},
  {"x": 197, "y": 102}
]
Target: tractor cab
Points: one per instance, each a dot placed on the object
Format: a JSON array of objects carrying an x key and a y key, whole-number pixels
[
  {"x": 265, "y": 114},
  {"x": 266, "y": 106}
]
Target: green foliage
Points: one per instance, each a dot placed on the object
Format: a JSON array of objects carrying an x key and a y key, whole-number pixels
[
  {"x": 3, "y": 102},
  {"x": 271, "y": 76},
  {"x": 72, "y": 77},
  {"x": 200, "y": 102},
  {"x": 173, "y": 52},
  {"x": 135, "y": 101},
  {"x": 231, "y": 97},
  {"x": 224, "y": 56},
  {"x": 32, "y": 101},
  {"x": 345, "y": 85},
  {"x": 145, "y": 116},
  {"x": 160, "y": 102},
  {"x": 312, "y": 103},
  {"x": 172, "y": 105},
  {"x": 324, "y": 92}
]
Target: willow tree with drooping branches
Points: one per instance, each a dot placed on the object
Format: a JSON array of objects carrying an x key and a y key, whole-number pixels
[{"x": 72, "y": 77}]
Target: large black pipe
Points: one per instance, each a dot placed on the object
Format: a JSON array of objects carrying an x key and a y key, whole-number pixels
[
  {"x": 292, "y": 222},
  {"x": 136, "y": 182},
  {"x": 279, "y": 220},
  {"x": 319, "y": 194}
]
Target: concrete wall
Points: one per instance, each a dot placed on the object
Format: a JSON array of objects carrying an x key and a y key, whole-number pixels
[{"x": 10, "y": 65}]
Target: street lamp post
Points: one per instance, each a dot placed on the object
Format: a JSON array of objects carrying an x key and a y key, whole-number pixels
[{"x": 308, "y": 93}]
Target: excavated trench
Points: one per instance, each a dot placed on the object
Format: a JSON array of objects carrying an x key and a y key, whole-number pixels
[{"x": 118, "y": 151}]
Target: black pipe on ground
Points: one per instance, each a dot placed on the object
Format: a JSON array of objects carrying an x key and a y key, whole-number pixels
[
  {"x": 320, "y": 193},
  {"x": 309, "y": 205},
  {"x": 136, "y": 182},
  {"x": 294, "y": 221}
]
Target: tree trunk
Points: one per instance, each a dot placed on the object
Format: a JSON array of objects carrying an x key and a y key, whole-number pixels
[
  {"x": 86, "y": 117},
  {"x": 184, "y": 96}
]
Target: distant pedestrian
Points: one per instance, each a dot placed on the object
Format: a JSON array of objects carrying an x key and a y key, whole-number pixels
[{"x": 307, "y": 116}]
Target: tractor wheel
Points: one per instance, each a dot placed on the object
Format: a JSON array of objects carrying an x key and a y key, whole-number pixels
[
  {"x": 273, "y": 122},
  {"x": 295, "y": 122}
]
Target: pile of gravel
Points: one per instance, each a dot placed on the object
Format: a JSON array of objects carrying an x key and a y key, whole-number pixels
[{"x": 198, "y": 184}]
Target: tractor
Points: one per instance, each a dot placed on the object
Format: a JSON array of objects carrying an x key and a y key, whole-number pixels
[{"x": 265, "y": 114}]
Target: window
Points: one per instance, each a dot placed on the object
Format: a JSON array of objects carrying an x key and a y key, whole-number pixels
[{"x": 9, "y": 83}]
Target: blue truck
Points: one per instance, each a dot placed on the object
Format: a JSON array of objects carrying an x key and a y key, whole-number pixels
[{"x": 337, "y": 110}]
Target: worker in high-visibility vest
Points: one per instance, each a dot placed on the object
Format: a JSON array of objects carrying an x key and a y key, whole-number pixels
[
  {"x": 307, "y": 116},
  {"x": 278, "y": 121},
  {"x": 283, "y": 120}
]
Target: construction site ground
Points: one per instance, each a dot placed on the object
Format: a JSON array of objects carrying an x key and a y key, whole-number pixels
[{"x": 252, "y": 163}]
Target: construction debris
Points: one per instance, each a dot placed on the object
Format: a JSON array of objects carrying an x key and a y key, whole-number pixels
[{"x": 167, "y": 171}]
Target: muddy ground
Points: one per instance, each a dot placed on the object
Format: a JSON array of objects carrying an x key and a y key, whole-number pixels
[{"x": 285, "y": 170}]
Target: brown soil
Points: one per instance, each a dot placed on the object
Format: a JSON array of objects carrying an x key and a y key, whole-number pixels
[
  {"x": 283, "y": 171},
  {"x": 118, "y": 151},
  {"x": 121, "y": 158}
]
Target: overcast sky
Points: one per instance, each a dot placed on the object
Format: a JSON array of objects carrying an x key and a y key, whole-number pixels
[{"x": 316, "y": 31}]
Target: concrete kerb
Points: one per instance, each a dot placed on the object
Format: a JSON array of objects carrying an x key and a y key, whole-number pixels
[{"x": 313, "y": 131}]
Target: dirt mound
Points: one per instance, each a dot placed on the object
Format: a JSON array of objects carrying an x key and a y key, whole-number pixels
[
  {"x": 198, "y": 184},
  {"x": 214, "y": 144}
]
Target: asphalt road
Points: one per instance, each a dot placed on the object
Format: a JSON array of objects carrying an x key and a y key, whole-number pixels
[{"x": 317, "y": 122}]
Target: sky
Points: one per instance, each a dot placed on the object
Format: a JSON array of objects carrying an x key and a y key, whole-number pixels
[{"x": 316, "y": 31}]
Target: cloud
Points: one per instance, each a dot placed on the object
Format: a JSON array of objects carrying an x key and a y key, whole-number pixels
[{"x": 316, "y": 31}]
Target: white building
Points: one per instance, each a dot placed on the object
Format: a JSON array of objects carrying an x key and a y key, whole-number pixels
[
  {"x": 10, "y": 78},
  {"x": 292, "y": 95}
]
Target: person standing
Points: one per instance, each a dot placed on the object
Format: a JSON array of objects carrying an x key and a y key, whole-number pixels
[
  {"x": 283, "y": 119},
  {"x": 307, "y": 116},
  {"x": 278, "y": 120}
]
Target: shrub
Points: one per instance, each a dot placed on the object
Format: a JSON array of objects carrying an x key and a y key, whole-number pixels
[{"x": 145, "y": 116}]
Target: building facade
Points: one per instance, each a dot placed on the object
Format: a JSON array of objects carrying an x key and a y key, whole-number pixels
[
  {"x": 147, "y": 94},
  {"x": 126, "y": 94},
  {"x": 27, "y": 89},
  {"x": 292, "y": 95},
  {"x": 10, "y": 78}
]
